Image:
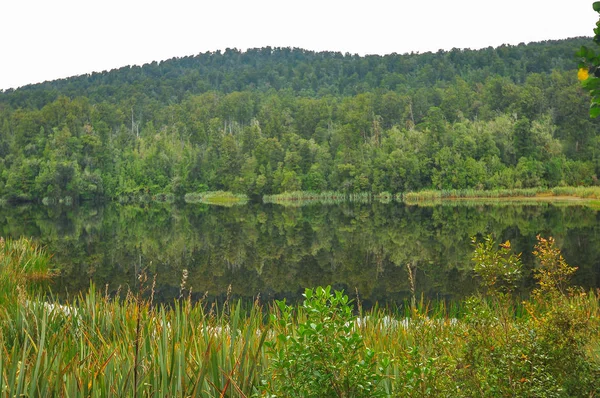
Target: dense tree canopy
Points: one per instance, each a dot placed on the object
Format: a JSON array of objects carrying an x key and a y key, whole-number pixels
[{"x": 278, "y": 119}]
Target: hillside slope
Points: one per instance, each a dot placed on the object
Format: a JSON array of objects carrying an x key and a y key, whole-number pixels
[{"x": 277, "y": 119}]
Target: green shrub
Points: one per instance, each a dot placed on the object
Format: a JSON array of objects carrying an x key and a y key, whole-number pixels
[
  {"x": 499, "y": 269},
  {"x": 542, "y": 353},
  {"x": 322, "y": 355}
]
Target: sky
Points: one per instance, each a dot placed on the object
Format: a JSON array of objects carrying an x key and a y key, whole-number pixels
[{"x": 49, "y": 39}]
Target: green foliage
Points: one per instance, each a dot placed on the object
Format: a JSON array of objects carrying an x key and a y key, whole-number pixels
[
  {"x": 316, "y": 349},
  {"x": 553, "y": 273},
  {"x": 323, "y": 355},
  {"x": 527, "y": 195},
  {"x": 498, "y": 269},
  {"x": 303, "y": 198},
  {"x": 219, "y": 198},
  {"x": 546, "y": 352},
  {"x": 503, "y": 118},
  {"x": 22, "y": 261},
  {"x": 545, "y": 346}
]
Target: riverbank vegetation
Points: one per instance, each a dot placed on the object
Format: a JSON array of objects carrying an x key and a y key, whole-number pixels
[
  {"x": 219, "y": 198},
  {"x": 560, "y": 193},
  {"x": 492, "y": 344},
  {"x": 303, "y": 198},
  {"x": 22, "y": 263},
  {"x": 274, "y": 120}
]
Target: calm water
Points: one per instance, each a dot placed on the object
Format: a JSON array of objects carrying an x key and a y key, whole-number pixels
[{"x": 383, "y": 251}]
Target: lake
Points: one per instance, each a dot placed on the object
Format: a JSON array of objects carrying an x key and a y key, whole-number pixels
[{"x": 385, "y": 252}]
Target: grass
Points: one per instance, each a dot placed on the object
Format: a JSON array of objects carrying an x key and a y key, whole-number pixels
[
  {"x": 143, "y": 198},
  {"x": 100, "y": 346},
  {"x": 22, "y": 262},
  {"x": 84, "y": 347},
  {"x": 470, "y": 193},
  {"x": 305, "y": 198},
  {"x": 506, "y": 202},
  {"x": 429, "y": 197},
  {"x": 579, "y": 192},
  {"x": 526, "y": 194},
  {"x": 219, "y": 198}
]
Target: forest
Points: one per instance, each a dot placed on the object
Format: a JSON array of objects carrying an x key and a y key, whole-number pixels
[
  {"x": 268, "y": 121},
  {"x": 274, "y": 120}
]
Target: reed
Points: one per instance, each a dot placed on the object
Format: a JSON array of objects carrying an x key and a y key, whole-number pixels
[
  {"x": 580, "y": 192},
  {"x": 558, "y": 193},
  {"x": 143, "y": 198},
  {"x": 427, "y": 195},
  {"x": 101, "y": 346},
  {"x": 219, "y": 198},
  {"x": 22, "y": 261},
  {"x": 306, "y": 198},
  {"x": 84, "y": 347}
]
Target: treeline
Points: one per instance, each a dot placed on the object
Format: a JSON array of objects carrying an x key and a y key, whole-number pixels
[{"x": 273, "y": 120}]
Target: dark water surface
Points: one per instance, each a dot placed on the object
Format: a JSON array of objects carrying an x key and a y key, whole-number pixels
[{"x": 383, "y": 251}]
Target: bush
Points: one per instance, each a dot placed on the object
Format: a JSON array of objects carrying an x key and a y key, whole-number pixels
[
  {"x": 543, "y": 353},
  {"x": 322, "y": 355}
]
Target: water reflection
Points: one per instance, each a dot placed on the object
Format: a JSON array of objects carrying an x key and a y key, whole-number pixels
[{"x": 383, "y": 251}]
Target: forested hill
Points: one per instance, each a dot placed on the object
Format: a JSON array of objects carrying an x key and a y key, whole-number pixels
[
  {"x": 304, "y": 72},
  {"x": 277, "y": 119}
]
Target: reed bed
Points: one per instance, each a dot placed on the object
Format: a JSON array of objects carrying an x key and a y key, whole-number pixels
[
  {"x": 100, "y": 346},
  {"x": 306, "y": 198},
  {"x": 499, "y": 202},
  {"x": 218, "y": 198},
  {"x": 22, "y": 262},
  {"x": 527, "y": 194},
  {"x": 579, "y": 192},
  {"x": 327, "y": 346},
  {"x": 472, "y": 193},
  {"x": 146, "y": 198}
]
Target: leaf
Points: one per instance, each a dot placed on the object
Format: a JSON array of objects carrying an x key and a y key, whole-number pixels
[
  {"x": 594, "y": 111},
  {"x": 596, "y": 6},
  {"x": 308, "y": 293},
  {"x": 583, "y": 52}
]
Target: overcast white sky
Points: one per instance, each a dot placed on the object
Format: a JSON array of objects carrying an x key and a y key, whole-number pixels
[{"x": 48, "y": 39}]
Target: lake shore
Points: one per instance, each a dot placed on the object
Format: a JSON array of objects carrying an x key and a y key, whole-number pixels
[
  {"x": 491, "y": 344},
  {"x": 558, "y": 194}
]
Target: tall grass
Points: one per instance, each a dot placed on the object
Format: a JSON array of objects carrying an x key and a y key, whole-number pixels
[
  {"x": 514, "y": 194},
  {"x": 99, "y": 346},
  {"x": 141, "y": 198},
  {"x": 219, "y": 198},
  {"x": 22, "y": 262},
  {"x": 580, "y": 192},
  {"x": 305, "y": 198},
  {"x": 86, "y": 347},
  {"x": 471, "y": 193}
]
